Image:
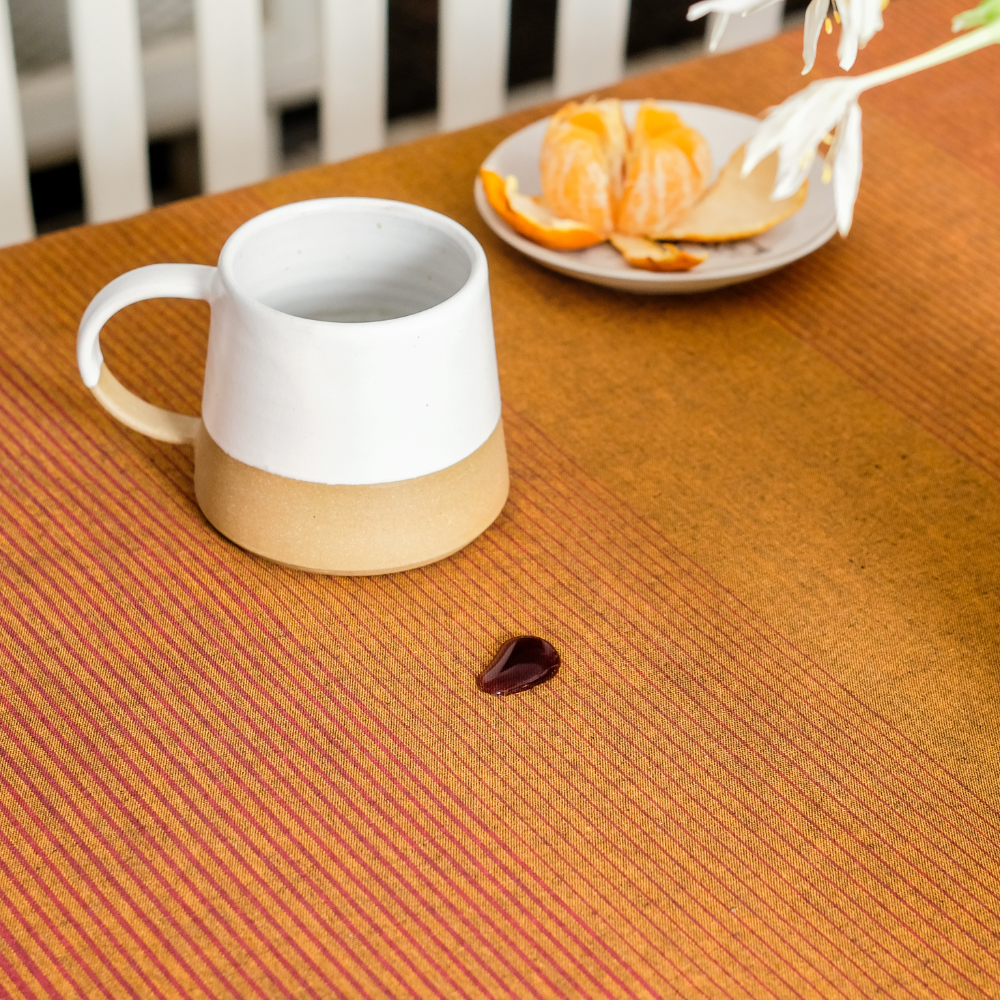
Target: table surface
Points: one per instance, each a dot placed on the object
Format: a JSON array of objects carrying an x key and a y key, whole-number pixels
[{"x": 760, "y": 525}]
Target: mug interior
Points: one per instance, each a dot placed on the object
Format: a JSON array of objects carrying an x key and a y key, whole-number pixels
[{"x": 350, "y": 263}]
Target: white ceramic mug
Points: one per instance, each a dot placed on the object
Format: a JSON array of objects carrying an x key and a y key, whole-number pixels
[{"x": 351, "y": 406}]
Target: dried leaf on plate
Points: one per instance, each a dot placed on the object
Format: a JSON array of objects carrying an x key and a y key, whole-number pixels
[{"x": 736, "y": 207}]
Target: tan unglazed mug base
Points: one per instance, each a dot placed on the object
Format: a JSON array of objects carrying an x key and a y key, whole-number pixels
[
  {"x": 352, "y": 530},
  {"x": 350, "y": 342}
]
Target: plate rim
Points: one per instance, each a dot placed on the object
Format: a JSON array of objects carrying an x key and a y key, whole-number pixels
[{"x": 565, "y": 262}]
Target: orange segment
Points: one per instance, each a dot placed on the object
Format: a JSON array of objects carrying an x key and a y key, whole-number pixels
[
  {"x": 642, "y": 253},
  {"x": 582, "y": 162},
  {"x": 528, "y": 217},
  {"x": 589, "y": 119},
  {"x": 735, "y": 207},
  {"x": 667, "y": 169}
]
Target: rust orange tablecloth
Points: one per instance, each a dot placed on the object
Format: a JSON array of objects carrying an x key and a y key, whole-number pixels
[{"x": 761, "y": 526}]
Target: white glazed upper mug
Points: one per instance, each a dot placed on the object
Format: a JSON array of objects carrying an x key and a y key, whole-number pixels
[{"x": 350, "y": 347}]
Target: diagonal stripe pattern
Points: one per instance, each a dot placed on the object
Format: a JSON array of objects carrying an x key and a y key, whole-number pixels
[
  {"x": 224, "y": 778},
  {"x": 220, "y": 778}
]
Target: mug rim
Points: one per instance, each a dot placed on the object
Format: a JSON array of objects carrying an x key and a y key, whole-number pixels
[{"x": 342, "y": 205}]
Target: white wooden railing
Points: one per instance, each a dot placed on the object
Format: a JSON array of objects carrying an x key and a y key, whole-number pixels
[
  {"x": 16, "y": 222},
  {"x": 232, "y": 78}
]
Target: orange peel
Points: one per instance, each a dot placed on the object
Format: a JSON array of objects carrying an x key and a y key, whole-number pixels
[
  {"x": 666, "y": 171},
  {"x": 651, "y": 256},
  {"x": 735, "y": 207},
  {"x": 529, "y": 217}
]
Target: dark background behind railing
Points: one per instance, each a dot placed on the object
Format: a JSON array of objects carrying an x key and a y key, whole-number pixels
[
  {"x": 412, "y": 89},
  {"x": 413, "y": 24}
]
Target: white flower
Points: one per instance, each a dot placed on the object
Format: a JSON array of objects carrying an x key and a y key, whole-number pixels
[
  {"x": 860, "y": 21},
  {"x": 796, "y": 127},
  {"x": 724, "y": 9}
]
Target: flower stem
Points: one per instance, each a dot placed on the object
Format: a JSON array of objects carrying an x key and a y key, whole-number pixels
[{"x": 978, "y": 39}]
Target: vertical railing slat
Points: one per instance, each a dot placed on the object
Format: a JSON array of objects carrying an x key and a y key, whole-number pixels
[
  {"x": 590, "y": 44},
  {"x": 234, "y": 133},
  {"x": 353, "y": 37},
  {"x": 16, "y": 221},
  {"x": 107, "y": 63},
  {"x": 743, "y": 31},
  {"x": 473, "y": 41}
]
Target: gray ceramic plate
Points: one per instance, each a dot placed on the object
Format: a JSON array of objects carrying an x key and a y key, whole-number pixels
[{"x": 728, "y": 263}]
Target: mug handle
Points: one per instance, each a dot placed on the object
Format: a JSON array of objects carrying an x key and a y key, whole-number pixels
[{"x": 157, "y": 281}]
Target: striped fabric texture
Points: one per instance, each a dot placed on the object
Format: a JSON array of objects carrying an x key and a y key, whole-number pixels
[{"x": 759, "y": 525}]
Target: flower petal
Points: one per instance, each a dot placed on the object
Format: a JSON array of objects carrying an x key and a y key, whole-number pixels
[
  {"x": 847, "y": 49},
  {"x": 860, "y": 21},
  {"x": 718, "y": 30},
  {"x": 723, "y": 9},
  {"x": 847, "y": 167},
  {"x": 815, "y": 16},
  {"x": 704, "y": 7},
  {"x": 797, "y": 126}
]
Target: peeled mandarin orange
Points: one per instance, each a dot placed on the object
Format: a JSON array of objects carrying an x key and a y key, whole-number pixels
[
  {"x": 643, "y": 253},
  {"x": 582, "y": 160},
  {"x": 666, "y": 170},
  {"x": 527, "y": 216},
  {"x": 735, "y": 207}
]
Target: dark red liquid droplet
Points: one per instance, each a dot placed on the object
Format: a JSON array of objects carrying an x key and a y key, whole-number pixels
[{"x": 521, "y": 664}]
